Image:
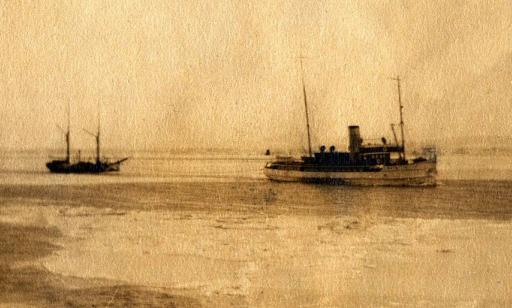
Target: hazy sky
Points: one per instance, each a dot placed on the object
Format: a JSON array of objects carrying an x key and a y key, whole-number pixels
[{"x": 226, "y": 73}]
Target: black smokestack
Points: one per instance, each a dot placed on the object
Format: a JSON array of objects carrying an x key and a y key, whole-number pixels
[{"x": 355, "y": 141}]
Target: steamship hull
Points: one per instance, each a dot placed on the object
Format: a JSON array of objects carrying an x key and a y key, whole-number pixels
[{"x": 414, "y": 174}]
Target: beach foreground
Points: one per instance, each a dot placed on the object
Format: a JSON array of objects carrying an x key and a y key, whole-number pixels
[{"x": 255, "y": 243}]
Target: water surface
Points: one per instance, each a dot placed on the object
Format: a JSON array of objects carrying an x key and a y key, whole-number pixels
[{"x": 211, "y": 229}]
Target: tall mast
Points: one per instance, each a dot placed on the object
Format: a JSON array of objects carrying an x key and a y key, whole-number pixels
[
  {"x": 306, "y": 107},
  {"x": 394, "y": 133},
  {"x": 401, "y": 115},
  {"x": 68, "y": 146},
  {"x": 98, "y": 137}
]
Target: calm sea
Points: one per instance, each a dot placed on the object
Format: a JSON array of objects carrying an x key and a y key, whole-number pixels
[{"x": 211, "y": 226}]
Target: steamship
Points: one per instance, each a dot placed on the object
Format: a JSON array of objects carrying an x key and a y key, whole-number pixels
[{"x": 366, "y": 164}]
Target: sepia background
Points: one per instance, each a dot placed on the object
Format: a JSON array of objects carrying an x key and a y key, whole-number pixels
[
  {"x": 226, "y": 74},
  {"x": 194, "y": 92}
]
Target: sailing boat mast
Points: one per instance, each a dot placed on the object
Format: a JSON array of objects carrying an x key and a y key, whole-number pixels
[
  {"x": 306, "y": 107},
  {"x": 67, "y": 134},
  {"x": 98, "y": 137},
  {"x": 401, "y": 115},
  {"x": 68, "y": 146}
]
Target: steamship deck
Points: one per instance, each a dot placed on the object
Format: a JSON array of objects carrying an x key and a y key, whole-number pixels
[{"x": 371, "y": 164}]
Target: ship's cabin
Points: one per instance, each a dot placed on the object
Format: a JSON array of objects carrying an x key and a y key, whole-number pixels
[{"x": 359, "y": 154}]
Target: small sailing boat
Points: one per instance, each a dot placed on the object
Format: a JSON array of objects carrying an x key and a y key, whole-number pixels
[
  {"x": 98, "y": 166},
  {"x": 363, "y": 164}
]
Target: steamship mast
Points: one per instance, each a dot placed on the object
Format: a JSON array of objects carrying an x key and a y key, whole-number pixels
[
  {"x": 306, "y": 107},
  {"x": 397, "y": 79}
]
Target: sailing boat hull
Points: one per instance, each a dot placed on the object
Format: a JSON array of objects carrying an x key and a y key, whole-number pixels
[
  {"x": 415, "y": 174},
  {"x": 82, "y": 167},
  {"x": 100, "y": 166}
]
